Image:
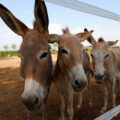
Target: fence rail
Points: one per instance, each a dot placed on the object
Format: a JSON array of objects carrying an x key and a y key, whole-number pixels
[
  {"x": 86, "y": 8},
  {"x": 110, "y": 114}
]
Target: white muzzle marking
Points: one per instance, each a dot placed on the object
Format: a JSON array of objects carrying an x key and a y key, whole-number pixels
[
  {"x": 78, "y": 73},
  {"x": 78, "y": 78},
  {"x": 32, "y": 88},
  {"x": 99, "y": 69}
]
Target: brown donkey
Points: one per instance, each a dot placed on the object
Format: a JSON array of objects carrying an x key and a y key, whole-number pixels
[
  {"x": 72, "y": 69},
  {"x": 36, "y": 62},
  {"x": 106, "y": 65}
]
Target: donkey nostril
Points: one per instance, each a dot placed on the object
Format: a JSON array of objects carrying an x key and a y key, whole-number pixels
[
  {"x": 36, "y": 100},
  {"x": 76, "y": 82},
  {"x": 102, "y": 76},
  {"x": 99, "y": 76}
]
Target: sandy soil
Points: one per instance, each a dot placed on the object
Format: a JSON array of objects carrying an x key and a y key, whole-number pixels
[{"x": 11, "y": 87}]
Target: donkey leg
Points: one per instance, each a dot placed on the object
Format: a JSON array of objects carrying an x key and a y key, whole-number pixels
[
  {"x": 70, "y": 106},
  {"x": 79, "y": 100},
  {"x": 89, "y": 91},
  {"x": 105, "y": 98},
  {"x": 44, "y": 106},
  {"x": 44, "y": 111},
  {"x": 62, "y": 108},
  {"x": 119, "y": 86},
  {"x": 113, "y": 92},
  {"x": 30, "y": 115}
]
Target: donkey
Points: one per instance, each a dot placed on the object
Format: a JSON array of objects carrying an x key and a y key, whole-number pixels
[
  {"x": 106, "y": 66},
  {"x": 72, "y": 69},
  {"x": 36, "y": 63}
]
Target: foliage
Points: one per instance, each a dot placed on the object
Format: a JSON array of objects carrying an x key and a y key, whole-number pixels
[
  {"x": 15, "y": 53},
  {"x": 14, "y": 46},
  {"x": 5, "y": 47},
  {"x": 88, "y": 49},
  {"x": 8, "y": 53},
  {"x": 53, "y": 51},
  {"x": 113, "y": 47}
]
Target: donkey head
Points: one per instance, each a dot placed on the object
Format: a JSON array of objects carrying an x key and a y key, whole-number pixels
[
  {"x": 99, "y": 54},
  {"x": 70, "y": 57},
  {"x": 36, "y": 62}
]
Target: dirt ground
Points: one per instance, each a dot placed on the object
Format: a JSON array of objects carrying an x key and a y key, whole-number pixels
[{"x": 11, "y": 88}]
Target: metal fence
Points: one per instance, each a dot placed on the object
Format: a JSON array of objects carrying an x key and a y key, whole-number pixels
[
  {"x": 86, "y": 8},
  {"x": 110, "y": 114}
]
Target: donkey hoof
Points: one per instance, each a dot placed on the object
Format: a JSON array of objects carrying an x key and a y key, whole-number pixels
[
  {"x": 103, "y": 110},
  {"x": 78, "y": 107}
]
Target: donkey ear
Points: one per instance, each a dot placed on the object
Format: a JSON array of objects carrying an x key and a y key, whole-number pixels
[
  {"x": 90, "y": 39},
  {"x": 41, "y": 16},
  {"x": 53, "y": 38},
  {"x": 83, "y": 36},
  {"x": 13, "y": 23},
  {"x": 110, "y": 43},
  {"x": 85, "y": 30}
]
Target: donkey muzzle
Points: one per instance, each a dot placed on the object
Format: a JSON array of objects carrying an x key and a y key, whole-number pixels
[{"x": 32, "y": 96}]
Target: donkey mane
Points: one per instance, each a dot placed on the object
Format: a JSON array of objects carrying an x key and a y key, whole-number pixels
[
  {"x": 101, "y": 39},
  {"x": 66, "y": 30}
]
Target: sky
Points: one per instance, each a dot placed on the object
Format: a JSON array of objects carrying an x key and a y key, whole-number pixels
[{"x": 60, "y": 17}]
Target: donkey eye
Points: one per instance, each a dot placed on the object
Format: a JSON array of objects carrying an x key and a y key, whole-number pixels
[
  {"x": 64, "y": 51},
  {"x": 106, "y": 56},
  {"x": 44, "y": 55},
  {"x": 92, "y": 56}
]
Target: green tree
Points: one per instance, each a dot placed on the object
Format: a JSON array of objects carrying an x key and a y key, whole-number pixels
[
  {"x": 55, "y": 45},
  {"x": 6, "y": 48},
  {"x": 14, "y": 46}
]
